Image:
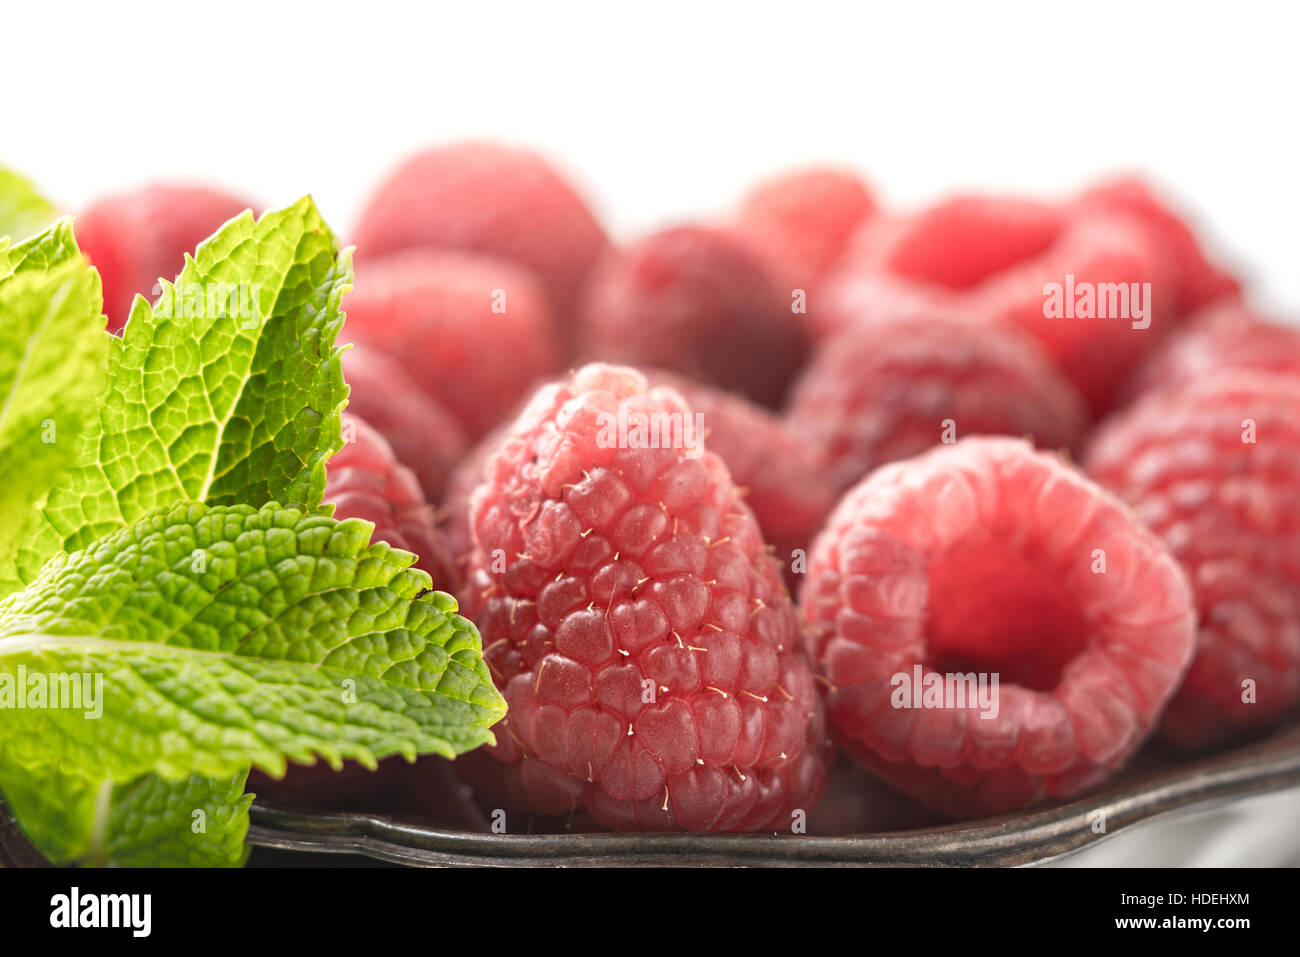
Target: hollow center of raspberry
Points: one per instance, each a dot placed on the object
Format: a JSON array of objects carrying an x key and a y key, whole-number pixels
[{"x": 994, "y": 610}]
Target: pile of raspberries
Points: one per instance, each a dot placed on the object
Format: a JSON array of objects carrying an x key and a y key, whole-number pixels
[{"x": 971, "y": 500}]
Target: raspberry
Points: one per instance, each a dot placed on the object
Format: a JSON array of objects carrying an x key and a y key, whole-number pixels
[
  {"x": 958, "y": 243},
  {"x": 134, "y": 238},
  {"x": 852, "y": 297},
  {"x": 982, "y": 558},
  {"x": 364, "y": 480},
  {"x": 1199, "y": 281},
  {"x": 464, "y": 480},
  {"x": 776, "y": 469},
  {"x": 798, "y": 223},
  {"x": 475, "y": 333},
  {"x": 1096, "y": 354},
  {"x": 889, "y": 390},
  {"x": 641, "y": 635},
  {"x": 1228, "y": 335},
  {"x": 696, "y": 301},
  {"x": 993, "y": 259},
  {"x": 424, "y": 436},
  {"x": 507, "y": 203},
  {"x": 1214, "y": 469},
  {"x": 775, "y": 466}
]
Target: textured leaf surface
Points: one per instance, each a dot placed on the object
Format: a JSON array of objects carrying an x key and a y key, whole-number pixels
[
  {"x": 41, "y": 252},
  {"x": 51, "y": 374},
  {"x": 228, "y": 390},
  {"x": 23, "y": 210},
  {"x": 193, "y": 822},
  {"x": 228, "y": 635}
]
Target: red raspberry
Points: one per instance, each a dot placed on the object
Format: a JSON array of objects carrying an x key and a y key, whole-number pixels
[
  {"x": 696, "y": 301},
  {"x": 958, "y": 243},
  {"x": 464, "y": 481},
  {"x": 641, "y": 635},
  {"x": 137, "y": 237},
  {"x": 425, "y": 437},
  {"x": 475, "y": 333},
  {"x": 1199, "y": 280},
  {"x": 776, "y": 468},
  {"x": 852, "y": 297},
  {"x": 889, "y": 390},
  {"x": 983, "y": 558},
  {"x": 1096, "y": 354},
  {"x": 365, "y": 480},
  {"x": 994, "y": 259},
  {"x": 1229, "y": 509},
  {"x": 507, "y": 203},
  {"x": 798, "y": 223},
  {"x": 1228, "y": 335}
]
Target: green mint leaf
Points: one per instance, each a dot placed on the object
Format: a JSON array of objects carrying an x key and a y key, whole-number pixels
[
  {"x": 23, "y": 210},
  {"x": 149, "y": 822},
  {"x": 194, "y": 822},
  {"x": 227, "y": 391},
  {"x": 40, "y": 253},
  {"x": 208, "y": 638},
  {"x": 51, "y": 375}
]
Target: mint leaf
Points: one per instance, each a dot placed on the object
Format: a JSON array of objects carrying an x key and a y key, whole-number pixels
[
  {"x": 228, "y": 390},
  {"x": 51, "y": 375},
  {"x": 194, "y": 822},
  {"x": 41, "y": 252},
  {"x": 23, "y": 210},
  {"x": 222, "y": 635},
  {"x": 215, "y": 637}
]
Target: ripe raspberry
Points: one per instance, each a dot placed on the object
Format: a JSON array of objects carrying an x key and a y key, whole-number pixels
[
  {"x": 1098, "y": 353},
  {"x": 696, "y": 301},
  {"x": 776, "y": 467},
  {"x": 364, "y": 480},
  {"x": 776, "y": 470},
  {"x": 424, "y": 436},
  {"x": 1214, "y": 468},
  {"x": 507, "y": 203},
  {"x": 1228, "y": 335},
  {"x": 641, "y": 635},
  {"x": 137, "y": 237},
  {"x": 475, "y": 333},
  {"x": 798, "y": 223},
  {"x": 1199, "y": 280},
  {"x": 958, "y": 243},
  {"x": 983, "y": 557},
  {"x": 850, "y": 297},
  {"x": 994, "y": 259},
  {"x": 889, "y": 390},
  {"x": 464, "y": 481}
]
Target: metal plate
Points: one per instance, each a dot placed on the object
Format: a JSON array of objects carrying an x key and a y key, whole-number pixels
[{"x": 1015, "y": 839}]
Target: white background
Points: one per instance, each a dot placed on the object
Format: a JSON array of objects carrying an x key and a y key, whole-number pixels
[{"x": 667, "y": 111}]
